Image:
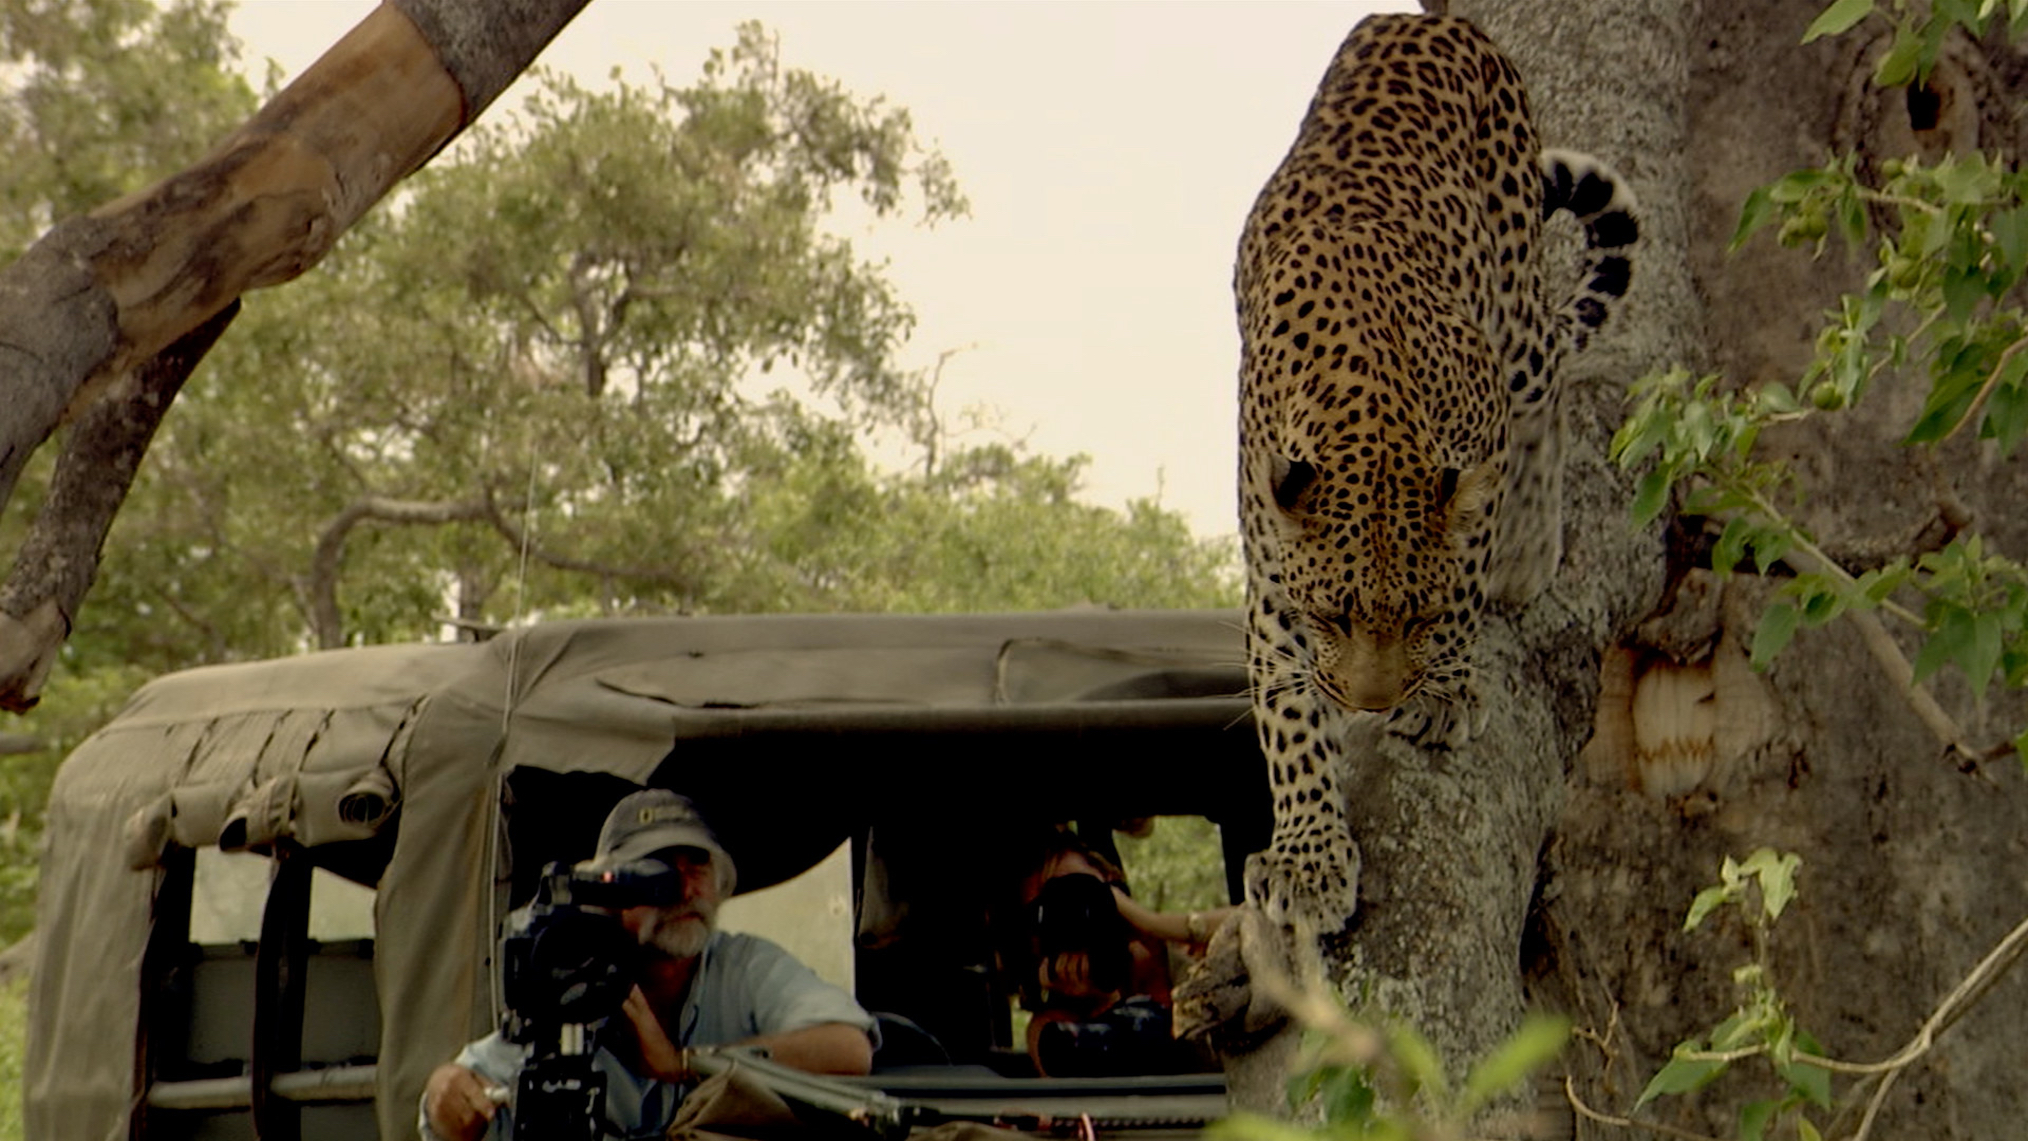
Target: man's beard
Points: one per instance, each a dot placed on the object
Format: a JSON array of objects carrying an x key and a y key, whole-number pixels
[{"x": 680, "y": 932}]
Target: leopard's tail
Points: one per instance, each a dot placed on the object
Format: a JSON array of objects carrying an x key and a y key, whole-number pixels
[{"x": 1595, "y": 195}]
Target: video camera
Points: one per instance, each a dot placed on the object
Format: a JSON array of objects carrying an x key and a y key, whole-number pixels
[
  {"x": 1077, "y": 914},
  {"x": 569, "y": 965}
]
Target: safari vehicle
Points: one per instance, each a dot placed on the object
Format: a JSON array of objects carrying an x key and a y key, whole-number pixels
[{"x": 272, "y": 892}]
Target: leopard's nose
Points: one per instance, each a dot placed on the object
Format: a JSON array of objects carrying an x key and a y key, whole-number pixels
[
  {"x": 1377, "y": 695},
  {"x": 1372, "y": 671}
]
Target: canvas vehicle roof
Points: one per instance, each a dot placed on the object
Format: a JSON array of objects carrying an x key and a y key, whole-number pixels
[{"x": 388, "y": 764}]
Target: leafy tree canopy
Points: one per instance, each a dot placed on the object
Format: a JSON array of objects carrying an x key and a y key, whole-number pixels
[{"x": 605, "y": 357}]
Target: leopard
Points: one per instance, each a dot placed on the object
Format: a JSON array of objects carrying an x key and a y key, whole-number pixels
[{"x": 1400, "y": 427}]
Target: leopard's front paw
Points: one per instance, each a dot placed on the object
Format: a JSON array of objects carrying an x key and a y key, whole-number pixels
[
  {"x": 1318, "y": 886},
  {"x": 1446, "y": 722}
]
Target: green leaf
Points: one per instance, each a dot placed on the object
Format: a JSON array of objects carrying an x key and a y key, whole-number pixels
[
  {"x": 2007, "y": 412},
  {"x": 1244, "y": 1126},
  {"x": 1798, "y": 186},
  {"x": 1708, "y": 901},
  {"x": 1650, "y": 495},
  {"x": 1774, "y": 397},
  {"x": 1759, "y": 210},
  {"x": 1346, "y": 1097},
  {"x": 1958, "y": 380},
  {"x": 1735, "y": 1031},
  {"x": 1753, "y": 1119},
  {"x": 1820, "y": 598},
  {"x": 1838, "y": 19},
  {"x": 1953, "y": 637},
  {"x": 1418, "y": 1060},
  {"x": 1852, "y": 219},
  {"x": 1681, "y": 1075},
  {"x": 1646, "y": 430},
  {"x": 1769, "y": 545},
  {"x": 1806, "y": 1131},
  {"x": 1898, "y": 66},
  {"x": 1538, "y": 1041},
  {"x": 1812, "y": 1082},
  {"x": 1963, "y": 289},
  {"x": 1877, "y": 584},
  {"x": 1965, "y": 182},
  {"x": 1777, "y": 872},
  {"x": 2010, "y": 237},
  {"x": 1776, "y": 627},
  {"x": 1731, "y": 545}
]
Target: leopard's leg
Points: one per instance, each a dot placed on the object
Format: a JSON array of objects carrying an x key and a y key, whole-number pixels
[{"x": 1309, "y": 873}]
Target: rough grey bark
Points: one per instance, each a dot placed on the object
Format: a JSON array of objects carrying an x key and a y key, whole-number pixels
[
  {"x": 1911, "y": 864},
  {"x": 59, "y": 558},
  {"x": 1631, "y": 748}
]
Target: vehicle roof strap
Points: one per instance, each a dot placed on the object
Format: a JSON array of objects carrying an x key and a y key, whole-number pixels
[{"x": 279, "y": 967}]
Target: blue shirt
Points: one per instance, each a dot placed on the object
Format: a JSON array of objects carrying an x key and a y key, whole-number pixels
[{"x": 745, "y": 987}]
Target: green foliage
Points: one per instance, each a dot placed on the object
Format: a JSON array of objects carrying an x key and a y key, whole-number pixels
[
  {"x": 565, "y": 403},
  {"x": 13, "y": 1056},
  {"x": 73, "y": 705},
  {"x": 606, "y": 356},
  {"x": 1759, "y": 888},
  {"x": 1383, "y": 1081},
  {"x": 106, "y": 96},
  {"x": 1950, "y": 253},
  {"x": 1771, "y": 874},
  {"x": 1919, "y": 30},
  {"x": 1177, "y": 866}
]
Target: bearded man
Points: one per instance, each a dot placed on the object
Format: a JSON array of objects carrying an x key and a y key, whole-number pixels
[{"x": 696, "y": 986}]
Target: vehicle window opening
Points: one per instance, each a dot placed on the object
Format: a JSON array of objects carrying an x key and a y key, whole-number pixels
[{"x": 259, "y": 1003}]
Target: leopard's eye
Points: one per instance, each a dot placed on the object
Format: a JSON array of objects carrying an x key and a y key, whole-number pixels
[
  {"x": 1290, "y": 479},
  {"x": 1447, "y": 486}
]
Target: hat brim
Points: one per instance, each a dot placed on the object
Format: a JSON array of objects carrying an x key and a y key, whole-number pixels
[{"x": 649, "y": 841}]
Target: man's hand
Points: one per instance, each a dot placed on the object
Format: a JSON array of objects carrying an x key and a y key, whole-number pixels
[
  {"x": 458, "y": 1103},
  {"x": 663, "y": 1058},
  {"x": 1070, "y": 973}
]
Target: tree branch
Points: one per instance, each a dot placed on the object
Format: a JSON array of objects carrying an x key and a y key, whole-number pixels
[
  {"x": 1583, "y": 1110},
  {"x": 320, "y": 586},
  {"x": 59, "y": 560},
  {"x": 522, "y": 541},
  {"x": 1953, "y": 1007},
  {"x": 101, "y": 295}
]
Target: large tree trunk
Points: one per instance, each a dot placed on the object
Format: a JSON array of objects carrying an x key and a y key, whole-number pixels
[
  {"x": 1454, "y": 842},
  {"x": 1910, "y": 864},
  {"x": 87, "y": 312},
  {"x": 1543, "y": 865}
]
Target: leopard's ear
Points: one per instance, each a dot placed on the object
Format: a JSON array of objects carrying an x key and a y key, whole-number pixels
[
  {"x": 1464, "y": 494},
  {"x": 1289, "y": 480}
]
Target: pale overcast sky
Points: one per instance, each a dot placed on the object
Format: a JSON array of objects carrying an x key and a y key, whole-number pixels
[{"x": 1110, "y": 152}]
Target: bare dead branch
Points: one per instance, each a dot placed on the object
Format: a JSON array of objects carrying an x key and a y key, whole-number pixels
[
  {"x": 100, "y": 296},
  {"x": 320, "y": 586},
  {"x": 513, "y": 533},
  {"x": 59, "y": 560}
]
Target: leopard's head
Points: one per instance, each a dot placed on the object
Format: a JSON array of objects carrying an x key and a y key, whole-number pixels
[{"x": 1380, "y": 558}]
